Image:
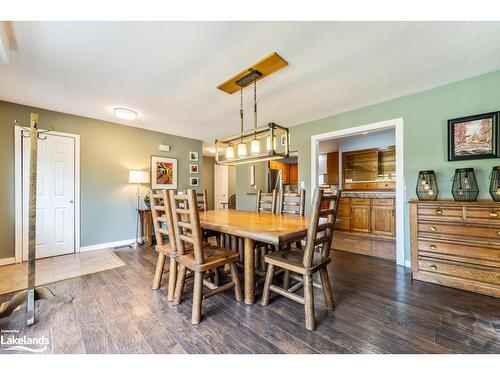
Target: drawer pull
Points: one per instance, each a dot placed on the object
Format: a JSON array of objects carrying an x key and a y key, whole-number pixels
[
  {"x": 439, "y": 211},
  {"x": 433, "y": 229},
  {"x": 433, "y": 247},
  {"x": 433, "y": 267},
  {"x": 493, "y": 214}
]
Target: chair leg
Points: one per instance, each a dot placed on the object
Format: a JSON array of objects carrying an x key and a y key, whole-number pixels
[
  {"x": 269, "y": 279},
  {"x": 298, "y": 244},
  {"x": 160, "y": 263},
  {"x": 263, "y": 253},
  {"x": 327, "y": 289},
  {"x": 197, "y": 297},
  {"x": 179, "y": 285},
  {"x": 238, "y": 294},
  {"x": 172, "y": 278},
  {"x": 286, "y": 279},
  {"x": 216, "y": 277},
  {"x": 309, "y": 302}
]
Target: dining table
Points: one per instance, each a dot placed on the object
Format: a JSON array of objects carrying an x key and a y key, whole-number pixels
[{"x": 252, "y": 226}]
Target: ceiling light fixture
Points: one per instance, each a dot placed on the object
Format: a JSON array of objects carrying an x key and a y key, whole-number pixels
[{"x": 125, "y": 114}]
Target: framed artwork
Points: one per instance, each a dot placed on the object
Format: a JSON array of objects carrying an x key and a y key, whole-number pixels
[
  {"x": 193, "y": 168},
  {"x": 193, "y": 181},
  {"x": 473, "y": 137},
  {"x": 163, "y": 173},
  {"x": 193, "y": 156}
]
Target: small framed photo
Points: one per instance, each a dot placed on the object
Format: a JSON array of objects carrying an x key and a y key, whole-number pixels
[
  {"x": 283, "y": 140},
  {"x": 193, "y": 156},
  {"x": 473, "y": 137},
  {"x": 193, "y": 168},
  {"x": 193, "y": 181},
  {"x": 163, "y": 173}
]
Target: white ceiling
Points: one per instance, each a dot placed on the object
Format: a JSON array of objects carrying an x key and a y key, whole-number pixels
[{"x": 168, "y": 71}]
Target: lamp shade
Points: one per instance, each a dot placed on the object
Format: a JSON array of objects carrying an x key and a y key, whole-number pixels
[{"x": 138, "y": 177}]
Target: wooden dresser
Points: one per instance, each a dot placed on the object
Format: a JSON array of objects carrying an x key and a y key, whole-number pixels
[{"x": 456, "y": 244}]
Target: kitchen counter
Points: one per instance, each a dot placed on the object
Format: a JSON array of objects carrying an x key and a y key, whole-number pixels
[{"x": 369, "y": 194}]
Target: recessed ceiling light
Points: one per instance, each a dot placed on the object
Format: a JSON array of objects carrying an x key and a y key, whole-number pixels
[{"x": 125, "y": 114}]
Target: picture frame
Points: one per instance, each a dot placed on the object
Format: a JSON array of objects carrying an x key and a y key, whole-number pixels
[
  {"x": 474, "y": 137},
  {"x": 193, "y": 156},
  {"x": 193, "y": 168},
  {"x": 163, "y": 172},
  {"x": 193, "y": 181}
]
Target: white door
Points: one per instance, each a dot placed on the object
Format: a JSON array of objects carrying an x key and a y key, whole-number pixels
[
  {"x": 55, "y": 209},
  {"x": 220, "y": 186}
]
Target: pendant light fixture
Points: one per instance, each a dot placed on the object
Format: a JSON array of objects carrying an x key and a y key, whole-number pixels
[{"x": 249, "y": 144}]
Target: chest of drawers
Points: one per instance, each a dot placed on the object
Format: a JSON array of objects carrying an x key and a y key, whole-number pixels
[{"x": 456, "y": 244}]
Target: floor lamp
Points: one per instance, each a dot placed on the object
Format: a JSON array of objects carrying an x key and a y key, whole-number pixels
[{"x": 138, "y": 177}]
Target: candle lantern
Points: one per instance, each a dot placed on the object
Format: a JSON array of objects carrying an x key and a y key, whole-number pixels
[
  {"x": 464, "y": 185},
  {"x": 495, "y": 183},
  {"x": 427, "y": 188}
]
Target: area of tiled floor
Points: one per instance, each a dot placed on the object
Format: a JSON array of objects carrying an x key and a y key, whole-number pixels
[{"x": 14, "y": 277}]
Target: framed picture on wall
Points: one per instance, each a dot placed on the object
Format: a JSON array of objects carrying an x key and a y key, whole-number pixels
[
  {"x": 473, "y": 137},
  {"x": 163, "y": 173},
  {"x": 193, "y": 168},
  {"x": 193, "y": 156},
  {"x": 193, "y": 181}
]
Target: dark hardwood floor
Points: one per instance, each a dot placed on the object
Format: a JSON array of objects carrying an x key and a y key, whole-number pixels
[{"x": 379, "y": 310}]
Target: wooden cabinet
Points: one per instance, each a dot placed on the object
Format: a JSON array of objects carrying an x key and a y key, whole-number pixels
[
  {"x": 382, "y": 212},
  {"x": 293, "y": 173},
  {"x": 289, "y": 172},
  {"x": 344, "y": 214},
  {"x": 332, "y": 168},
  {"x": 360, "y": 215},
  {"x": 456, "y": 244}
]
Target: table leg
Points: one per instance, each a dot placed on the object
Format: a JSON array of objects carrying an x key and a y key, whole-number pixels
[{"x": 249, "y": 272}]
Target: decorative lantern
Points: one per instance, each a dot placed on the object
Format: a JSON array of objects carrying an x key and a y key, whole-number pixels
[
  {"x": 427, "y": 188},
  {"x": 495, "y": 184},
  {"x": 464, "y": 185}
]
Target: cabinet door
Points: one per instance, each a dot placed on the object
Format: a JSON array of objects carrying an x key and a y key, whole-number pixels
[
  {"x": 285, "y": 173},
  {"x": 383, "y": 220},
  {"x": 360, "y": 219},
  {"x": 293, "y": 173}
]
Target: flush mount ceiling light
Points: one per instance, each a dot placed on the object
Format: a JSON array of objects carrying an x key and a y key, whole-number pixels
[
  {"x": 261, "y": 141},
  {"x": 125, "y": 114}
]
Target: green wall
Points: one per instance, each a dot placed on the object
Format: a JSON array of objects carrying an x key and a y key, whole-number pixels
[
  {"x": 107, "y": 152},
  {"x": 425, "y": 132}
]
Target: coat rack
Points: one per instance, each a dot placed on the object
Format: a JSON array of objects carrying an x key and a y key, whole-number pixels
[{"x": 33, "y": 293}]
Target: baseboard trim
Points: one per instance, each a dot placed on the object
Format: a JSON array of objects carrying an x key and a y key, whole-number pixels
[
  {"x": 6, "y": 261},
  {"x": 107, "y": 245},
  {"x": 408, "y": 263}
]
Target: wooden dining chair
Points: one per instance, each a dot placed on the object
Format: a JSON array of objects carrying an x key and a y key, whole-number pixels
[
  {"x": 292, "y": 203},
  {"x": 203, "y": 258},
  {"x": 266, "y": 202},
  {"x": 163, "y": 226},
  {"x": 201, "y": 198},
  {"x": 308, "y": 261}
]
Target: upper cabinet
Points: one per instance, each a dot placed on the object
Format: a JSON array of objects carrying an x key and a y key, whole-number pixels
[
  {"x": 289, "y": 172},
  {"x": 371, "y": 169}
]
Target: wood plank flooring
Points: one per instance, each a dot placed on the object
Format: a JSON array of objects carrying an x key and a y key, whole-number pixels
[{"x": 379, "y": 310}]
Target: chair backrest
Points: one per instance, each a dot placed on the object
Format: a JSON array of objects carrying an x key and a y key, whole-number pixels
[
  {"x": 187, "y": 223},
  {"x": 231, "y": 203},
  {"x": 202, "y": 200},
  {"x": 266, "y": 202},
  {"x": 322, "y": 221},
  {"x": 161, "y": 211},
  {"x": 292, "y": 203}
]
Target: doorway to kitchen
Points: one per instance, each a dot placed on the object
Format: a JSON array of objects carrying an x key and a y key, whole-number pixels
[
  {"x": 366, "y": 162},
  {"x": 224, "y": 187}
]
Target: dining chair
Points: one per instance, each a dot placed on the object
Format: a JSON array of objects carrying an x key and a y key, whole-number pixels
[
  {"x": 163, "y": 226},
  {"x": 266, "y": 202},
  {"x": 202, "y": 206},
  {"x": 307, "y": 262},
  {"x": 203, "y": 258}
]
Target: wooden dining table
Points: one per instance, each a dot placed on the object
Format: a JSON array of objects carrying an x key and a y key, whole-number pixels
[{"x": 254, "y": 226}]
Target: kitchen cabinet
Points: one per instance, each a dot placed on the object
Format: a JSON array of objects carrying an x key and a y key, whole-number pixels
[
  {"x": 293, "y": 173},
  {"x": 360, "y": 215},
  {"x": 382, "y": 213},
  {"x": 289, "y": 172},
  {"x": 332, "y": 168}
]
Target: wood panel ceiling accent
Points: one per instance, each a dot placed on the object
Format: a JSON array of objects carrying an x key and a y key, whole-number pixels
[{"x": 267, "y": 66}]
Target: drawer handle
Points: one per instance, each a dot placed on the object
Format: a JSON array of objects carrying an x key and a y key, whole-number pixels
[
  {"x": 493, "y": 214},
  {"x": 433, "y": 247},
  {"x": 439, "y": 211},
  {"x": 433, "y": 229},
  {"x": 433, "y": 267}
]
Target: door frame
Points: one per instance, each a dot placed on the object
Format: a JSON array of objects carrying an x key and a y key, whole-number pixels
[
  {"x": 18, "y": 190},
  {"x": 398, "y": 125}
]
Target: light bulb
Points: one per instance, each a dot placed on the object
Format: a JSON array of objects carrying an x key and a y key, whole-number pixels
[
  {"x": 242, "y": 149},
  {"x": 460, "y": 191},
  {"x": 498, "y": 190},
  {"x": 255, "y": 147},
  {"x": 268, "y": 143},
  {"x": 423, "y": 181},
  {"x": 430, "y": 192},
  {"x": 229, "y": 152},
  {"x": 426, "y": 187}
]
